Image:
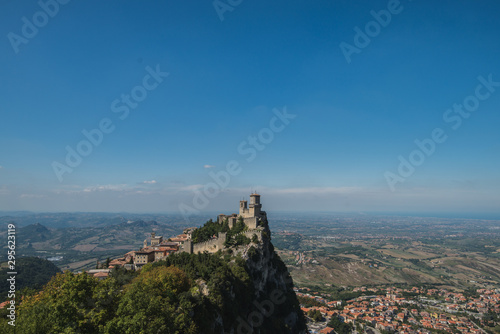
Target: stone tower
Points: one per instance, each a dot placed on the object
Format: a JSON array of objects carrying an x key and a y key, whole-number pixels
[
  {"x": 255, "y": 205},
  {"x": 155, "y": 240},
  {"x": 243, "y": 209}
]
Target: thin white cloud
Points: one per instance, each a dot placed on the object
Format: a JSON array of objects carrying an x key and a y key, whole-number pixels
[
  {"x": 191, "y": 187},
  {"x": 304, "y": 190},
  {"x": 32, "y": 196},
  {"x": 1, "y": 167},
  {"x": 317, "y": 190},
  {"x": 150, "y": 182},
  {"x": 110, "y": 187},
  {"x": 208, "y": 166}
]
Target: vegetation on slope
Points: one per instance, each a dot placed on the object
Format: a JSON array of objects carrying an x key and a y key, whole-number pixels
[
  {"x": 211, "y": 229},
  {"x": 32, "y": 272},
  {"x": 186, "y": 293}
]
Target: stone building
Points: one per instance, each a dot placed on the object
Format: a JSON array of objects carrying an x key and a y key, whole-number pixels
[
  {"x": 143, "y": 257},
  {"x": 251, "y": 214}
]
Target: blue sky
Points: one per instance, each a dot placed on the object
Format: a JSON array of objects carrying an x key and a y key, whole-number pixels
[{"x": 228, "y": 79}]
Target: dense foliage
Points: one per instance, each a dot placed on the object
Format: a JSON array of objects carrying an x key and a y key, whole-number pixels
[
  {"x": 186, "y": 293},
  {"x": 309, "y": 302},
  {"x": 340, "y": 326},
  {"x": 157, "y": 301},
  {"x": 233, "y": 236},
  {"x": 69, "y": 303},
  {"x": 209, "y": 230},
  {"x": 315, "y": 315},
  {"x": 32, "y": 272}
]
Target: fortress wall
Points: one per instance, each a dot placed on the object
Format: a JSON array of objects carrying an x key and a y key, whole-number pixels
[
  {"x": 210, "y": 246},
  {"x": 251, "y": 222},
  {"x": 186, "y": 247},
  {"x": 249, "y": 234}
]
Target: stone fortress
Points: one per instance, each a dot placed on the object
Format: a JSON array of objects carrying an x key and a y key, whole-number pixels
[
  {"x": 159, "y": 248},
  {"x": 251, "y": 215}
]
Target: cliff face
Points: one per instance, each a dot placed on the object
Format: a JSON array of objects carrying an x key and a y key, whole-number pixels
[{"x": 276, "y": 308}]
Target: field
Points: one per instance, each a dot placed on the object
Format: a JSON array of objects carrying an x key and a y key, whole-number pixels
[{"x": 420, "y": 251}]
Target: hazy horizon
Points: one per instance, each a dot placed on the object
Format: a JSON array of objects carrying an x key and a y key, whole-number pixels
[{"x": 272, "y": 214}]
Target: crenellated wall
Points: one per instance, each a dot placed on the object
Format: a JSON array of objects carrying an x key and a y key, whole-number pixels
[{"x": 249, "y": 234}]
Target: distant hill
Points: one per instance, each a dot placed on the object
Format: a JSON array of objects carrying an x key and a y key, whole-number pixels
[
  {"x": 34, "y": 233},
  {"x": 32, "y": 272},
  {"x": 86, "y": 245},
  {"x": 94, "y": 219},
  {"x": 64, "y": 220},
  {"x": 138, "y": 223},
  {"x": 15, "y": 213}
]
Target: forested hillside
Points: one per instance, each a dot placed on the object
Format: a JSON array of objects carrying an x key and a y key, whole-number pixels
[{"x": 245, "y": 289}]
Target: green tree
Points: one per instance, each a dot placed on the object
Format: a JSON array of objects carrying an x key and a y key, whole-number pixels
[
  {"x": 69, "y": 303},
  {"x": 241, "y": 239},
  {"x": 32, "y": 272},
  {"x": 315, "y": 315},
  {"x": 155, "y": 302},
  {"x": 122, "y": 275},
  {"x": 340, "y": 326}
]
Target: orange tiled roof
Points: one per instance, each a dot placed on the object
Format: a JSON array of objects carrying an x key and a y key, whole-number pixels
[{"x": 101, "y": 274}]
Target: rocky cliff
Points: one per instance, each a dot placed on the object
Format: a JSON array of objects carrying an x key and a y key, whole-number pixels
[{"x": 276, "y": 308}]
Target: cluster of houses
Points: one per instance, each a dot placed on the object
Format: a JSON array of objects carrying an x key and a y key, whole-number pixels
[
  {"x": 427, "y": 310},
  {"x": 158, "y": 249}
]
